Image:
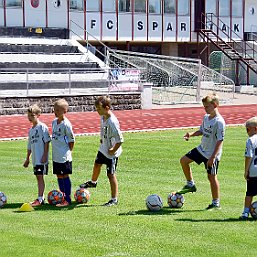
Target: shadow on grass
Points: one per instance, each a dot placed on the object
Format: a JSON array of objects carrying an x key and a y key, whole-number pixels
[
  {"x": 163, "y": 211},
  {"x": 45, "y": 207},
  {"x": 217, "y": 220}
]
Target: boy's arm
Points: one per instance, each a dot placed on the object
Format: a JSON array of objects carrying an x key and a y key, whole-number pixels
[
  {"x": 215, "y": 153},
  {"x": 71, "y": 145},
  {"x": 45, "y": 154},
  {"x": 113, "y": 150},
  {"x": 247, "y": 166},
  {"x": 26, "y": 162},
  {"x": 194, "y": 134}
]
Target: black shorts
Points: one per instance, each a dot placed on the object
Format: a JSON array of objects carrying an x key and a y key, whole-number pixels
[
  {"x": 198, "y": 158},
  {"x": 62, "y": 168},
  {"x": 111, "y": 164},
  {"x": 251, "y": 185},
  {"x": 41, "y": 169}
]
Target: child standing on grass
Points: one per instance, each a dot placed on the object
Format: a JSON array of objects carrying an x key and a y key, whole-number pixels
[
  {"x": 250, "y": 165},
  {"x": 62, "y": 145},
  {"x": 110, "y": 148},
  {"x": 38, "y": 147},
  {"x": 209, "y": 151}
]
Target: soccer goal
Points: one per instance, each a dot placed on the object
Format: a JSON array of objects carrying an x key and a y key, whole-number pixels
[{"x": 174, "y": 79}]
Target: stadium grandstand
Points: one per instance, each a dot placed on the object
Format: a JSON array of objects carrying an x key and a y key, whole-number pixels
[{"x": 182, "y": 48}]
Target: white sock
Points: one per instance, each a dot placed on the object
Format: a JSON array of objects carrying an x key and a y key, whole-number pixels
[
  {"x": 190, "y": 183},
  {"x": 115, "y": 199},
  {"x": 216, "y": 202},
  {"x": 40, "y": 198},
  {"x": 94, "y": 182},
  {"x": 246, "y": 210}
]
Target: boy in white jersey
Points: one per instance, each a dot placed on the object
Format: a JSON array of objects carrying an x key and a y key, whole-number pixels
[
  {"x": 209, "y": 151},
  {"x": 38, "y": 148},
  {"x": 62, "y": 145},
  {"x": 110, "y": 148},
  {"x": 250, "y": 165}
]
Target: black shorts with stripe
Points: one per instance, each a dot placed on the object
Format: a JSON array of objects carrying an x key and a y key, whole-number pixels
[
  {"x": 251, "y": 185},
  {"x": 111, "y": 164},
  {"x": 41, "y": 169},
  {"x": 62, "y": 168},
  {"x": 198, "y": 158}
]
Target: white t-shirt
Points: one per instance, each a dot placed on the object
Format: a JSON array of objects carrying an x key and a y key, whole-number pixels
[
  {"x": 251, "y": 151},
  {"x": 62, "y": 135},
  {"x": 38, "y": 136},
  {"x": 110, "y": 135},
  {"x": 213, "y": 130}
]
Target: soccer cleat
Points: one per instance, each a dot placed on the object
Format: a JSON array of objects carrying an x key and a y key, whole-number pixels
[
  {"x": 88, "y": 184},
  {"x": 244, "y": 216},
  {"x": 63, "y": 204},
  {"x": 111, "y": 203},
  {"x": 37, "y": 203},
  {"x": 213, "y": 207},
  {"x": 187, "y": 189}
]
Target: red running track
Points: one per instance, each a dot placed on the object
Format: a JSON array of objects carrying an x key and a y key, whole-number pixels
[{"x": 16, "y": 126}]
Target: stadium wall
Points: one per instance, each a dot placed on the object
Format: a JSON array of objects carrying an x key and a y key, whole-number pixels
[{"x": 77, "y": 103}]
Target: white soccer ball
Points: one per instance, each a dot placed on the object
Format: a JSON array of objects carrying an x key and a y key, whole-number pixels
[
  {"x": 253, "y": 210},
  {"x": 154, "y": 202},
  {"x": 175, "y": 200},
  {"x": 3, "y": 199}
]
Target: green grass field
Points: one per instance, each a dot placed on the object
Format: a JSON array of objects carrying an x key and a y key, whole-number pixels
[{"x": 149, "y": 164}]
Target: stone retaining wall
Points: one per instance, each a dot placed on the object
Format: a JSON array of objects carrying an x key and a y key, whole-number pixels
[{"x": 77, "y": 103}]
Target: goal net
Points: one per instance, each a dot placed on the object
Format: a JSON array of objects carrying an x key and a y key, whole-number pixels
[{"x": 174, "y": 79}]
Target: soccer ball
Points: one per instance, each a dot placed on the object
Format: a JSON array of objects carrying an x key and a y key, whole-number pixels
[
  {"x": 253, "y": 210},
  {"x": 3, "y": 199},
  {"x": 154, "y": 202},
  {"x": 175, "y": 200},
  {"x": 82, "y": 195},
  {"x": 55, "y": 196}
]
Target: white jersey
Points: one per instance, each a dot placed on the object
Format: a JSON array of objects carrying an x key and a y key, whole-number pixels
[
  {"x": 213, "y": 130},
  {"x": 251, "y": 151},
  {"x": 62, "y": 135},
  {"x": 38, "y": 136},
  {"x": 110, "y": 135}
]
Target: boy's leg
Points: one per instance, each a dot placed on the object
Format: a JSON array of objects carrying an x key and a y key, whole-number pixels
[
  {"x": 246, "y": 211},
  {"x": 41, "y": 188},
  {"x": 185, "y": 161},
  {"x": 65, "y": 186},
  {"x": 215, "y": 190},
  {"x": 96, "y": 171},
  {"x": 41, "y": 185},
  {"x": 94, "y": 178},
  {"x": 114, "y": 185},
  {"x": 190, "y": 186}
]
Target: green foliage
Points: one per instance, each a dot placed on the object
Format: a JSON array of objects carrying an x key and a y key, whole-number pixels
[{"x": 149, "y": 164}]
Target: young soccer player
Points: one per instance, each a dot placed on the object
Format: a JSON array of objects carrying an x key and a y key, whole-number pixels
[
  {"x": 62, "y": 145},
  {"x": 110, "y": 148},
  {"x": 38, "y": 147},
  {"x": 250, "y": 165},
  {"x": 209, "y": 151}
]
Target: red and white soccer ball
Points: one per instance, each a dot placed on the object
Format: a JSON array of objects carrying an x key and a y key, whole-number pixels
[
  {"x": 82, "y": 195},
  {"x": 154, "y": 202},
  {"x": 55, "y": 196},
  {"x": 175, "y": 200},
  {"x": 253, "y": 210},
  {"x": 3, "y": 199}
]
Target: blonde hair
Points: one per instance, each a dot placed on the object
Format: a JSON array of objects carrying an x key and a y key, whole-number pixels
[
  {"x": 34, "y": 109},
  {"x": 62, "y": 103},
  {"x": 211, "y": 98},
  {"x": 252, "y": 122},
  {"x": 105, "y": 101}
]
